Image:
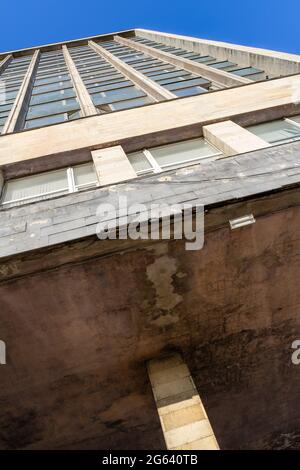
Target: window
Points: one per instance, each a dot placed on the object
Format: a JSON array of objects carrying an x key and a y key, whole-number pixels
[
  {"x": 250, "y": 72},
  {"x": 172, "y": 156},
  {"x": 47, "y": 185},
  {"x": 12, "y": 78},
  {"x": 295, "y": 119},
  {"x": 53, "y": 98},
  {"x": 185, "y": 83},
  {"x": 109, "y": 89},
  {"x": 277, "y": 132}
]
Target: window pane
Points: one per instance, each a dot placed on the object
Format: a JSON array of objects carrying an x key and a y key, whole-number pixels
[
  {"x": 187, "y": 83},
  {"x": 45, "y": 121},
  {"x": 190, "y": 91},
  {"x": 183, "y": 152},
  {"x": 276, "y": 131},
  {"x": 296, "y": 119},
  {"x": 46, "y": 81},
  {"x": 246, "y": 71},
  {"x": 56, "y": 107},
  {"x": 111, "y": 96},
  {"x": 52, "y": 96},
  {"x": 51, "y": 87},
  {"x": 139, "y": 162},
  {"x": 130, "y": 103},
  {"x": 85, "y": 174},
  {"x": 221, "y": 65},
  {"x": 36, "y": 186}
]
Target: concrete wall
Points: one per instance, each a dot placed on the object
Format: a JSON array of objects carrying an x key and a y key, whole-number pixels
[
  {"x": 78, "y": 337},
  {"x": 274, "y": 63}
]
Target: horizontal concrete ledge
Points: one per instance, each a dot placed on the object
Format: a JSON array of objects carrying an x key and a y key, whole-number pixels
[
  {"x": 80, "y": 250},
  {"x": 131, "y": 128}
]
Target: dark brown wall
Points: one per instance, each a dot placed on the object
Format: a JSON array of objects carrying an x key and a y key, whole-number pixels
[{"x": 77, "y": 338}]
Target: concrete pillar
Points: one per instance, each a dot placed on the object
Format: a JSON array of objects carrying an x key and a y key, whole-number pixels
[
  {"x": 86, "y": 104},
  {"x": 151, "y": 88},
  {"x": 183, "y": 418},
  {"x": 16, "y": 118},
  {"x": 1, "y": 182},
  {"x": 5, "y": 62},
  {"x": 232, "y": 139},
  {"x": 112, "y": 165}
]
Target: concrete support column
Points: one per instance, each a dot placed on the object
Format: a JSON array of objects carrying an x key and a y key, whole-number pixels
[
  {"x": 157, "y": 92},
  {"x": 86, "y": 104},
  {"x": 232, "y": 139},
  {"x": 112, "y": 165},
  {"x": 183, "y": 418},
  {"x": 5, "y": 62},
  {"x": 217, "y": 76},
  {"x": 1, "y": 182},
  {"x": 18, "y": 112}
]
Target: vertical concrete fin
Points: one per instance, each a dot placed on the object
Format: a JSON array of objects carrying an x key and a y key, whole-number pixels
[
  {"x": 5, "y": 62},
  {"x": 1, "y": 183},
  {"x": 157, "y": 92},
  {"x": 86, "y": 104},
  {"x": 16, "y": 118},
  {"x": 184, "y": 422}
]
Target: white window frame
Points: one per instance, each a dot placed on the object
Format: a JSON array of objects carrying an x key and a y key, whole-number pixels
[
  {"x": 156, "y": 168},
  {"x": 72, "y": 188},
  {"x": 288, "y": 139}
]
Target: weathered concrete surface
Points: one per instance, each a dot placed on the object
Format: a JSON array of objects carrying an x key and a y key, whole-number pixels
[
  {"x": 80, "y": 327},
  {"x": 78, "y": 337},
  {"x": 73, "y": 217}
]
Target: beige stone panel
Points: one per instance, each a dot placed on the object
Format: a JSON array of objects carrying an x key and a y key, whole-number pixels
[
  {"x": 232, "y": 139},
  {"x": 182, "y": 417},
  {"x": 175, "y": 387},
  {"x": 193, "y": 400},
  {"x": 215, "y": 75},
  {"x": 169, "y": 375},
  {"x": 189, "y": 433},
  {"x": 169, "y": 116},
  {"x": 112, "y": 165},
  {"x": 207, "y": 443},
  {"x": 86, "y": 104}
]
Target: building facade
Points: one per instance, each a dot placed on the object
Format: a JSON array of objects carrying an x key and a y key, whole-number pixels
[{"x": 139, "y": 343}]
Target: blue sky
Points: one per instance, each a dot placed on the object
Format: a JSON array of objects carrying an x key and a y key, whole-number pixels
[{"x": 272, "y": 24}]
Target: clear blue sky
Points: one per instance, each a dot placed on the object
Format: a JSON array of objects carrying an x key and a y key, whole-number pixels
[{"x": 273, "y": 24}]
